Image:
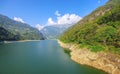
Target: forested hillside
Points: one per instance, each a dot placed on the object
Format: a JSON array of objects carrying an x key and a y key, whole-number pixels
[
  {"x": 13, "y": 30},
  {"x": 6, "y": 35},
  {"x": 99, "y": 31}
]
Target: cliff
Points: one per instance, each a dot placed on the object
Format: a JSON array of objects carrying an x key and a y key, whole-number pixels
[{"x": 107, "y": 62}]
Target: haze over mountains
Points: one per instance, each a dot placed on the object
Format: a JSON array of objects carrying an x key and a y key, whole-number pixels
[
  {"x": 17, "y": 29},
  {"x": 53, "y": 29}
]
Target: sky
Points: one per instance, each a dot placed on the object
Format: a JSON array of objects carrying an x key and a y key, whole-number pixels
[{"x": 48, "y": 12}]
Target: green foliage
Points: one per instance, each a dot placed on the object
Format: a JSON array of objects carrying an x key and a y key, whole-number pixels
[
  {"x": 105, "y": 35},
  {"x": 111, "y": 17},
  {"x": 6, "y": 35},
  {"x": 114, "y": 49},
  {"x": 99, "y": 30},
  {"x": 97, "y": 48},
  {"x": 18, "y": 30},
  {"x": 94, "y": 48}
]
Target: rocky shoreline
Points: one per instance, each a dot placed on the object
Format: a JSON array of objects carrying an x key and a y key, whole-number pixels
[{"x": 107, "y": 62}]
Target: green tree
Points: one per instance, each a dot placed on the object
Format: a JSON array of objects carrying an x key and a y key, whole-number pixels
[{"x": 105, "y": 35}]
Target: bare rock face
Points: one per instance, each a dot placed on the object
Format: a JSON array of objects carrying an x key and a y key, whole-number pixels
[
  {"x": 104, "y": 61},
  {"x": 107, "y": 62}
]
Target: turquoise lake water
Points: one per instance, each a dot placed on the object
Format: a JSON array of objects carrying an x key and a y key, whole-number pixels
[{"x": 39, "y": 57}]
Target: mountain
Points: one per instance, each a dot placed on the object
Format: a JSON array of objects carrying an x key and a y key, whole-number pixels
[
  {"x": 13, "y": 30},
  {"x": 6, "y": 35},
  {"x": 54, "y": 31},
  {"x": 95, "y": 40},
  {"x": 99, "y": 31}
]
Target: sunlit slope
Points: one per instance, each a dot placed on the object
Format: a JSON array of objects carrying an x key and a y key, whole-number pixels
[
  {"x": 98, "y": 31},
  {"x": 17, "y": 30}
]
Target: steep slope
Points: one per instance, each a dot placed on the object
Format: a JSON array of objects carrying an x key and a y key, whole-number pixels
[
  {"x": 99, "y": 31},
  {"x": 6, "y": 35},
  {"x": 95, "y": 40},
  {"x": 22, "y": 30},
  {"x": 54, "y": 31}
]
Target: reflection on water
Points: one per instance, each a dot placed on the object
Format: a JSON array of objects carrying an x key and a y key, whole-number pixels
[{"x": 67, "y": 51}]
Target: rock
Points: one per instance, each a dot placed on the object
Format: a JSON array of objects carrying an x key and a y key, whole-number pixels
[{"x": 107, "y": 62}]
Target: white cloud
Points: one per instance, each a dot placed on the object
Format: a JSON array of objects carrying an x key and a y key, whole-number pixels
[
  {"x": 99, "y": 1},
  {"x": 50, "y": 22},
  {"x": 39, "y": 27},
  {"x": 19, "y": 19},
  {"x": 68, "y": 19},
  {"x": 57, "y": 13},
  {"x": 64, "y": 19}
]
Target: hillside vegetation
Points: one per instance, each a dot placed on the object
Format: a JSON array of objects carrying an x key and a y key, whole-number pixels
[
  {"x": 6, "y": 35},
  {"x": 13, "y": 30},
  {"x": 99, "y": 31}
]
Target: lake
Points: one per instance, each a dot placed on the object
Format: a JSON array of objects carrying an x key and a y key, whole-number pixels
[{"x": 39, "y": 57}]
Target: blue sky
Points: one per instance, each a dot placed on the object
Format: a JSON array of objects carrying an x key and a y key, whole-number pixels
[{"x": 42, "y": 11}]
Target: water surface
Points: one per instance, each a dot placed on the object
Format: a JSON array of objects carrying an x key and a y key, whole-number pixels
[{"x": 39, "y": 57}]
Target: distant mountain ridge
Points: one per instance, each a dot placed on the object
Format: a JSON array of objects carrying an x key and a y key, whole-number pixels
[
  {"x": 20, "y": 30},
  {"x": 54, "y": 31}
]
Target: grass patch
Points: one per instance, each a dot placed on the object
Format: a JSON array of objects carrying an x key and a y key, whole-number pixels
[
  {"x": 95, "y": 48},
  {"x": 83, "y": 45},
  {"x": 114, "y": 50}
]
